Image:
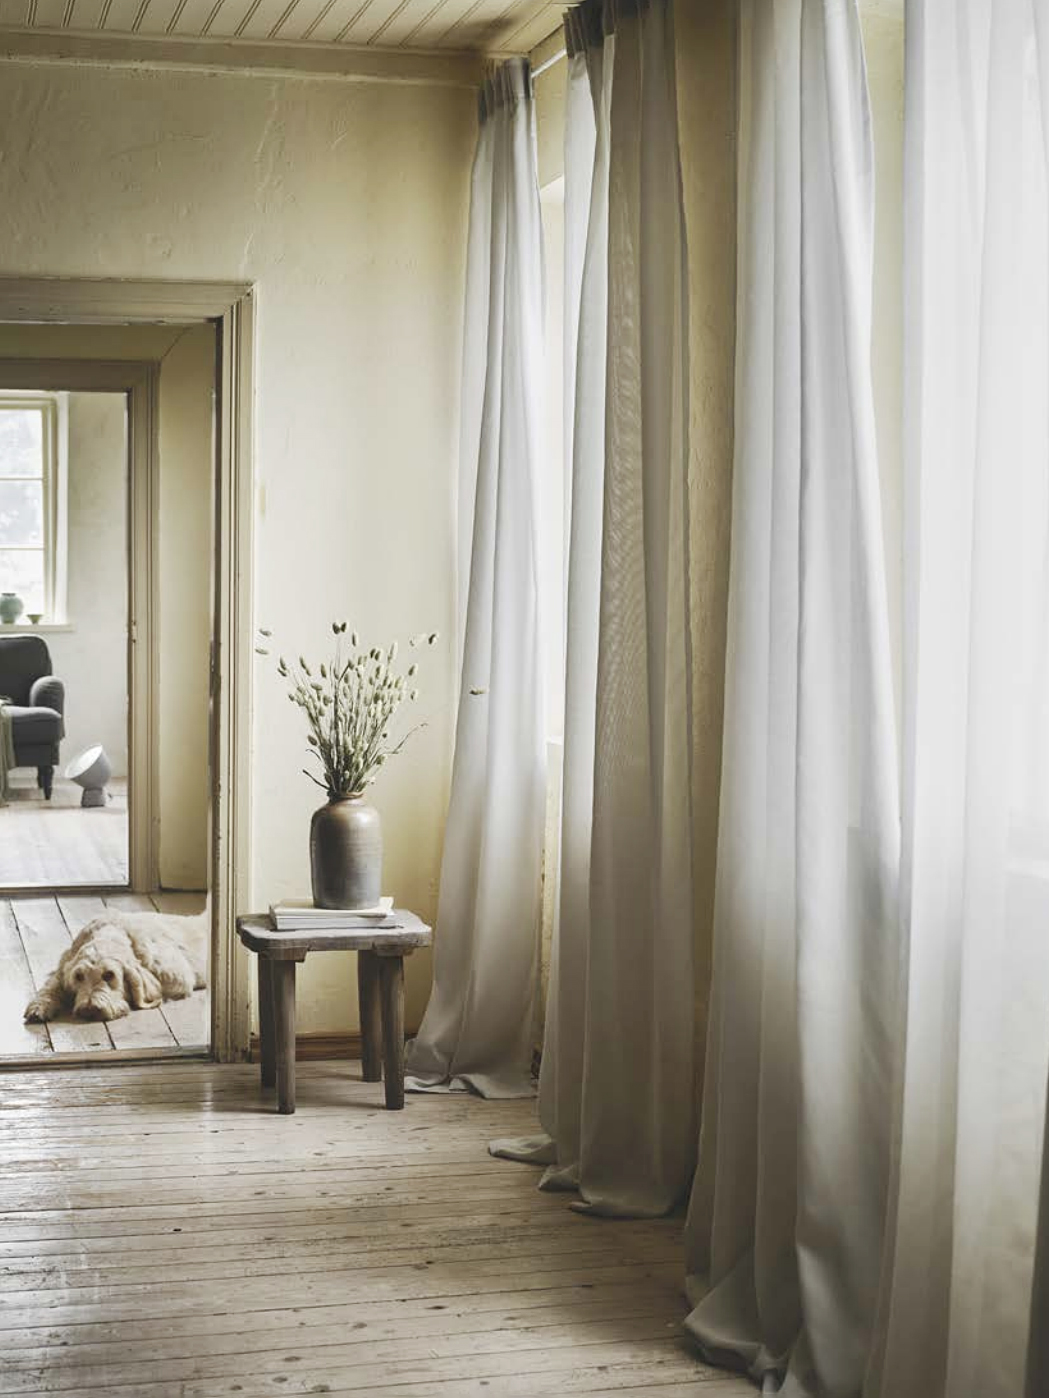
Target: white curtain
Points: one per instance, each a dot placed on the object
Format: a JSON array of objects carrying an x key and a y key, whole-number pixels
[
  {"x": 586, "y": 319},
  {"x": 899, "y": 1057},
  {"x": 976, "y": 743},
  {"x": 788, "y": 1210},
  {"x": 479, "y": 1025},
  {"x": 616, "y": 1088}
]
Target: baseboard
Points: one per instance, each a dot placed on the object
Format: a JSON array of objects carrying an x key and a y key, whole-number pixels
[{"x": 310, "y": 1048}]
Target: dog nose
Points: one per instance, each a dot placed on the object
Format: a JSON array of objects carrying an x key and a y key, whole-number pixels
[{"x": 89, "y": 1012}]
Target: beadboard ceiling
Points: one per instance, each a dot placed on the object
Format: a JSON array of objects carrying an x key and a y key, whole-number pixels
[{"x": 479, "y": 26}]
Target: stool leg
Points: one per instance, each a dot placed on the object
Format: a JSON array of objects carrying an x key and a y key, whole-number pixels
[
  {"x": 284, "y": 1015},
  {"x": 267, "y": 1055},
  {"x": 392, "y": 982},
  {"x": 371, "y": 1015}
]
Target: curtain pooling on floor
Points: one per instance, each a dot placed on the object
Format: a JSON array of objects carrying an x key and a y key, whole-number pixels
[{"x": 617, "y": 1090}]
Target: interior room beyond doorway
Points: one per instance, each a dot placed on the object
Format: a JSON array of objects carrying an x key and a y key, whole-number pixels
[{"x": 119, "y": 617}]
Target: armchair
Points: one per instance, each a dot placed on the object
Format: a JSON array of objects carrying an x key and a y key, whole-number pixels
[{"x": 37, "y": 705}]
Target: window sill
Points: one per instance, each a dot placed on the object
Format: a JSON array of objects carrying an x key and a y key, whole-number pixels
[{"x": 17, "y": 628}]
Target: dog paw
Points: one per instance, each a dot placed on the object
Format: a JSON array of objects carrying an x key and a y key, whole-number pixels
[{"x": 37, "y": 1011}]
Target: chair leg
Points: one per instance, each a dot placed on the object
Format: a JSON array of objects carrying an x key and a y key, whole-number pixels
[
  {"x": 391, "y": 972},
  {"x": 283, "y": 991},
  {"x": 370, "y": 1003},
  {"x": 45, "y": 780},
  {"x": 267, "y": 1026}
]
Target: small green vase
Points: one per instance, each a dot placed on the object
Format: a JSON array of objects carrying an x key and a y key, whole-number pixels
[{"x": 10, "y": 607}]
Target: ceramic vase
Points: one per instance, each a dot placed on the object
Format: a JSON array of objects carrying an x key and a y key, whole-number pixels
[
  {"x": 10, "y": 607},
  {"x": 346, "y": 854}
]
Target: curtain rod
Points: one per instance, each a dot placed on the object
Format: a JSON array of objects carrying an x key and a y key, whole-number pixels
[{"x": 549, "y": 62}]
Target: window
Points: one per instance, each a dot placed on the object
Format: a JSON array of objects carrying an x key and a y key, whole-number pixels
[{"x": 28, "y": 501}]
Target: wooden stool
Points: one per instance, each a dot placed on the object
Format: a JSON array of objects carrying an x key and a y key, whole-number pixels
[{"x": 380, "y": 979}]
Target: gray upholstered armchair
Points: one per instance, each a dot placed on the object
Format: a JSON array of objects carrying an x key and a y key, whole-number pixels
[{"x": 37, "y": 705}]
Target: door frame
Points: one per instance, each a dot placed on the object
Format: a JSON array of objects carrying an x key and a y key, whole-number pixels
[{"x": 230, "y": 306}]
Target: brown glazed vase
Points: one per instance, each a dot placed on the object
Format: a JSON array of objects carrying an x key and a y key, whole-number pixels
[{"x": 346, "y": 854}]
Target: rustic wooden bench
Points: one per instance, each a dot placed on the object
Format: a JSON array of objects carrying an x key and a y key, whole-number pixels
[{"x": 380, "y": 979}]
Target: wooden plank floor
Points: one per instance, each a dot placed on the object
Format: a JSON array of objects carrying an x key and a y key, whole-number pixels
[
  {"x": 58, "y": 844},
  {"x": 34, "y": 932},
  {"x": 164, "y": 1234}
]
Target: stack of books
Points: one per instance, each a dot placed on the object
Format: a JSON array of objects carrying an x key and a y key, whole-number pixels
[{"x": 300, "y": 915}]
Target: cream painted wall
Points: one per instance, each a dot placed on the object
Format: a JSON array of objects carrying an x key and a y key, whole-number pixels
[
  {"x": 345, "y": 202},
  {"x": 91, "y": 658},
  {"x": 550, "y": 119},
  {"x": 186, "y": 448}
]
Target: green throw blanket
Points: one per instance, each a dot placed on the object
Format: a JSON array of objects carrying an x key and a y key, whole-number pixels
[{"x": 7, "y": 749}]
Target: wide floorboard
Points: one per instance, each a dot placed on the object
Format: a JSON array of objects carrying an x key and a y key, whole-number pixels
[
  {"x": 59, "y": 843},
  {"x": 165, "y": 1234},
  {"x": 35, "y": 931}
]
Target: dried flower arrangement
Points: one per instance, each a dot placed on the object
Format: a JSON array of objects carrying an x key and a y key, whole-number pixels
[{"x": 349, "y": 704}]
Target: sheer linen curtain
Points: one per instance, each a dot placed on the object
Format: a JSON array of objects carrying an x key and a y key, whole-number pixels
[
  {"x": 617, "y": 1086},
  {"x": 478, "y": 1028},
  {"x": 586, "y": 323},
  {"x": 976, "y": 743},
  {"x": 788, "y": 1210}
]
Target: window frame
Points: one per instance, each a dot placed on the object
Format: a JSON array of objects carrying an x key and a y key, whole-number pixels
[{"x": 52, "y": 408}]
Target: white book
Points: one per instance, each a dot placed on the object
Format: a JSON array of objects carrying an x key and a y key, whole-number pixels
[{"x": 299, "y": 913}]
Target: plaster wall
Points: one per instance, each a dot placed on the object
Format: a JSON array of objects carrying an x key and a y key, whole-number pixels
[
  {"x": 549, "y": 117},
  {"x": 345, "y": 203},
  {"x": 91, "y": 657},
  {"x": 186, "y": 413}
]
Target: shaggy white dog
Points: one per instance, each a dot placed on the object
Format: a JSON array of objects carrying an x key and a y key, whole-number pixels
[{"x": 125, "y": 961}]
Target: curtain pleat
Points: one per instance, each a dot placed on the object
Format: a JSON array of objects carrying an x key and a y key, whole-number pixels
[
  {"x": 789, "y": 1204},
  {"x": 586, "y": 321},
  {"x": 616, "y": 1091},
  {"x": 478, "y": 1028},
  {"x": 958, "y": 1277},
  {"x": 865, "y": 1218}
]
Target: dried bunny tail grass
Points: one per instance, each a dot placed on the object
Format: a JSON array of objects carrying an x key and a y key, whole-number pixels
[{"x": 349, "y": 708}]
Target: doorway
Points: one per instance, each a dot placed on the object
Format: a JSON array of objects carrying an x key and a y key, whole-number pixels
[
  {"x": 64, "y": 626},
  {"x": 171, "y": 365}
]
